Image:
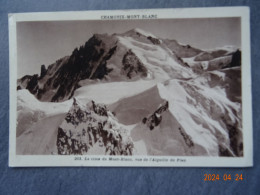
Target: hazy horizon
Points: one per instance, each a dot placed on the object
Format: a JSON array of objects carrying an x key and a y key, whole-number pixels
[{"x": 45, "y": 42}]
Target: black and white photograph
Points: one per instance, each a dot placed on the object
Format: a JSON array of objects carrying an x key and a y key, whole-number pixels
[{"x": 131, "y": 85}]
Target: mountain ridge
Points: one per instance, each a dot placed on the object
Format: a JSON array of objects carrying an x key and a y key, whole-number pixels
[{"x": 93, "y": 61}]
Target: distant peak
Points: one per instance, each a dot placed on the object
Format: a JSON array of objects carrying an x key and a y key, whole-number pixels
[
  {"x": 228, "y": 48},
  {"x": 141, "y": 32}
]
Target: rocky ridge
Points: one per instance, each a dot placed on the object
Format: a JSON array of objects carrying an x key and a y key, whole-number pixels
[{"x": 90, "y": 125}]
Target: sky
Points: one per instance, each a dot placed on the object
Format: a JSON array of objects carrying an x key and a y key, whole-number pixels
[{"x": 45, "y": 42}]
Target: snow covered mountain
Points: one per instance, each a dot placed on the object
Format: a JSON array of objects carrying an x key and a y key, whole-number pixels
[
  {"x": 118, "y": 57},
  {"x": 134, "y": 94}
]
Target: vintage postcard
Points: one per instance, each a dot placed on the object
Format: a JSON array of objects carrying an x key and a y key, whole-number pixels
[{"x": 160, "y": 87}]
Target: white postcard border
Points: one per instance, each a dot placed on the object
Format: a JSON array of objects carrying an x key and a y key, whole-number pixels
[{"x": 146, "y": 161}]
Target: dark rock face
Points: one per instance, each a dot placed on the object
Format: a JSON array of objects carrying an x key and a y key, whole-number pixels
[
  {"x": 43, "y": 71},
  {"x": 87, "y": 126},
  {"x": 236, "y": 143},
  {"x": 154, "y": 40},
  {"x": 180, "y": 60},
  {"x": 87, "y": 62},
  {"x": 23, "y": 82},
  {"x": 236, "y": 59},
  {"x": 132, "y": 66},
  {"x": 155, "y": 119},
  {"x": 32, "y": 84},
  {"x": 187, "y": 139}
]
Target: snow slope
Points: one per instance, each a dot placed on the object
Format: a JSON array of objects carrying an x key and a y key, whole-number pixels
[
  {"x": 159, "y": 61},
  {"x": 37, "y": 123},
  {"x": 30, "y": 110},
  {"x": 113, "y": 91},
  {"x": 201, "y": 120}
]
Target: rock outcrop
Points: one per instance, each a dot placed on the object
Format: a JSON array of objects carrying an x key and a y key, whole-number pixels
[
  {"x": 91, "y": 127},
  {"x": 155, "y": 118},
  {"x": 132, "y": 66}
]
